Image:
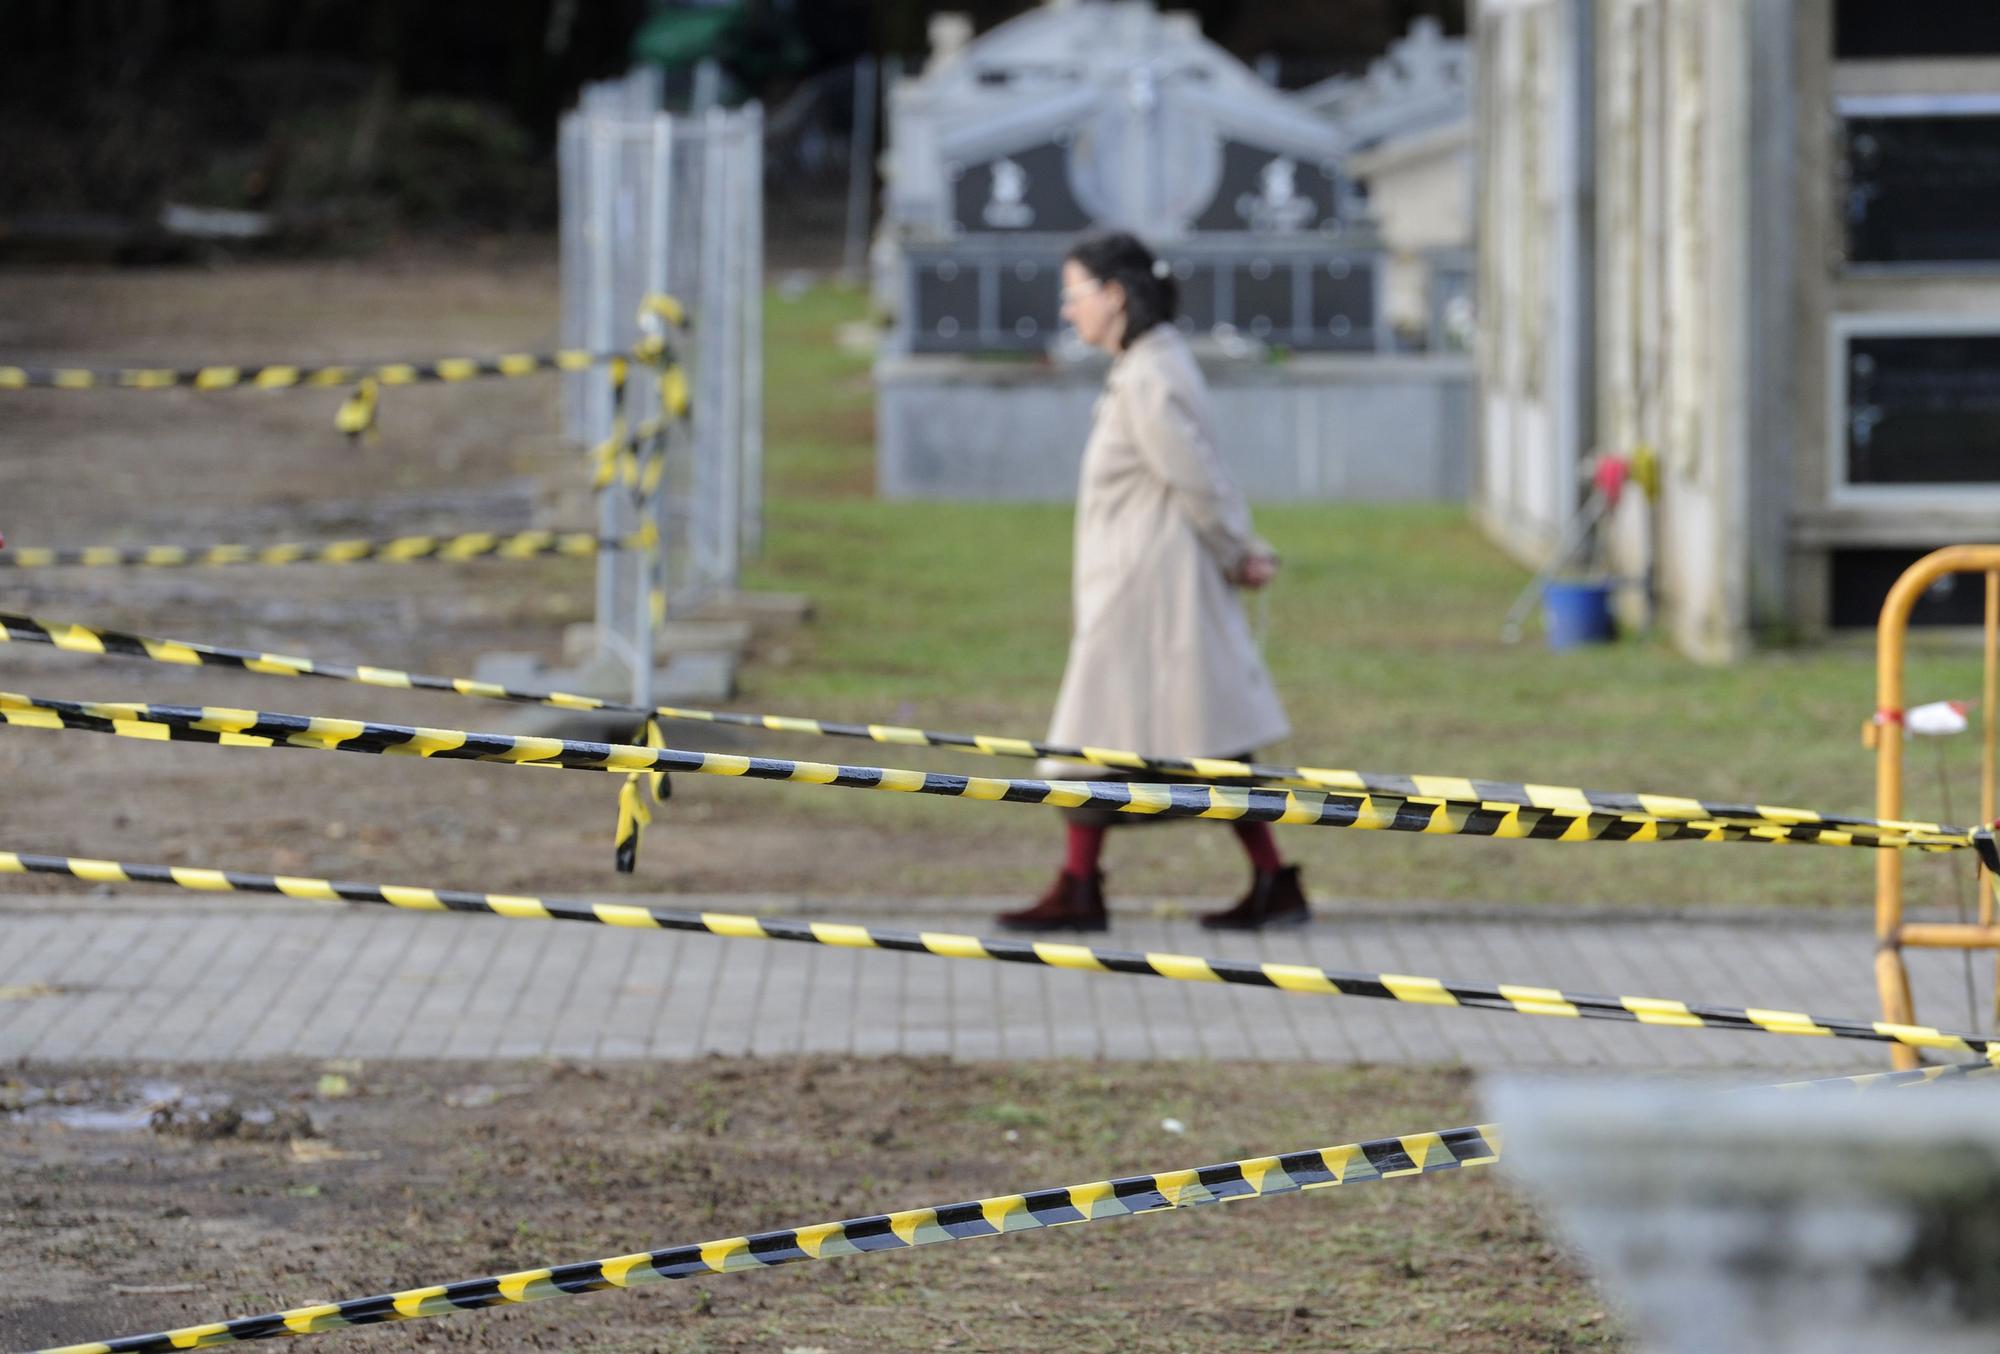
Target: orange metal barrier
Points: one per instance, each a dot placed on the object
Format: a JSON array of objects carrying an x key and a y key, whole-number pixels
[{"x": 1885, "y": 733}]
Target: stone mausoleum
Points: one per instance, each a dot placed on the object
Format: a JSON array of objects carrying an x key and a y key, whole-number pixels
[{"x": 1082, "y": 116}]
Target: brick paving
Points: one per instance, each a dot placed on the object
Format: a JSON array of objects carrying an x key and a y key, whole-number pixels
[{"x": 141, "y": 976}]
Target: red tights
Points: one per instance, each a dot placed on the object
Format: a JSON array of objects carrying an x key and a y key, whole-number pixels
[{"x": 1086, "y": 846}]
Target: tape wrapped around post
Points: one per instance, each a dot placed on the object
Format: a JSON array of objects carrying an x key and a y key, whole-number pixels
[
  {"x": 1989, "y": 852},
  {"x": 615, "y": 457},
  {"x": 675, "y": 397}
]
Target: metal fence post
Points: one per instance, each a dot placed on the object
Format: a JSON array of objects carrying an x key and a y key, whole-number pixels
[
  {"x": 659, "y": 204},
  {"x": 649, "y": 573},
  {"x": 752, "y": 349},
  {"x": 711, "y": 467},
  {"x": 729, "y": 204},
  {"x": 573, "y": 179},
  {"x": 598, "y": 409}
]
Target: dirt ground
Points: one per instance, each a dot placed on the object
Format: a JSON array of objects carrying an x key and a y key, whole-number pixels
[
  {"x": 119, "y": 1216},
  {"x": 183, "y": 466}
]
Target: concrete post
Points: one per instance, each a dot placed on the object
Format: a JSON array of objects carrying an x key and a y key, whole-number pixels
[{"x": 1815, "y": 1222}]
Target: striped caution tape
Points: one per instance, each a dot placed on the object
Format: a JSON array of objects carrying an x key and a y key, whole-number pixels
[
  {"x": 1253, "y": 1178},
  {"x": 1447, "y": 789},
  {"x": 1883, "y": 1081},
  {"x": 357, "y": 414},
  {"x": 297, "y": 375},
  {"x": 401, "y": 550},
  {"x": 617, "y": 446},
  {"x": 635, "y": 797},
  {"x": 636, "y": 458},
  {"x": 629, "y": 459},
  {"x": 659, "y": 309},
  {"x": 1295, "y": 978},
  {"x": 260, "y": 728}
]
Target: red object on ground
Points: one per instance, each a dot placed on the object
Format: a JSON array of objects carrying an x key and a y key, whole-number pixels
[{"x": 1610, "y": 475}]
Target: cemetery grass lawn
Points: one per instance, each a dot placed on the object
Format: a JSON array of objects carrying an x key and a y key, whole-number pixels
[
  {"x": 1384, "y": 641},
  {"x": 430, "y": 1172}
]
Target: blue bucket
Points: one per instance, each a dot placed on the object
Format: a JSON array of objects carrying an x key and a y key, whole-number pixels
[{"x": 1577, "y": 613}]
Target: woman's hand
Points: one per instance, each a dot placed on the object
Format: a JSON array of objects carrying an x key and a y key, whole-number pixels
[{"x": 1256, "y": 571}]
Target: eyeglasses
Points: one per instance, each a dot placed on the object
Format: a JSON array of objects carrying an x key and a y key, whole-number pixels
[{"x": 1070, "y": 294}]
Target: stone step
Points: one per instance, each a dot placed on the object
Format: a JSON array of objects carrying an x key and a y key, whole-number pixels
[
  {"x": 763, "y": 610},
  {"x": 671, "y": 639}
]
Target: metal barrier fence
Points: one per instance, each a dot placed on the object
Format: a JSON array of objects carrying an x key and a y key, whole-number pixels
[
  {"x": 652, "y": 203},
  {"x": 1885, "y": 734}
]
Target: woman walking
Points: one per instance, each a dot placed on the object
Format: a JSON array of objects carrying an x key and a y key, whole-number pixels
[{"x": 1161, "y": 660}]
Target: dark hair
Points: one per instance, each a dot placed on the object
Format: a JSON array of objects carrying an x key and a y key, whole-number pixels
[{"x": 1150, "y": 298}]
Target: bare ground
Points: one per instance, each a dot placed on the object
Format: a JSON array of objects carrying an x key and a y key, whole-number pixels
[{"x": 423, "y": 1173}]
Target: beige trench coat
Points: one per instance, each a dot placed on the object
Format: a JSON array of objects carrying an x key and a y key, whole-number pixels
[{"x": 1161, "y": 661}]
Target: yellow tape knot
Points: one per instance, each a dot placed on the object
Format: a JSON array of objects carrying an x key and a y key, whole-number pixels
[
  {"x": 667, "y": 307},
  {"x": 660, "y": 317},
  {"x": 633, "y": 814},
  {"x": 356, "y": 415},
  {"x": 610, "y": 458},
  {"x": 675, "y": 397}
]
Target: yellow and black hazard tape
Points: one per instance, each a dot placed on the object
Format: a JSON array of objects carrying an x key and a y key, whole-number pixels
[
  {"x": 633, "y": 460},
  {"x": 1099, "y": 1200},
  {"x": 1291, "y": 978},
  {"x": 469, "y": 545},
  {"x": 357, "y": 414},
  {"x": 308, "y": 376},
  {"x": 1884, "y": 1081},
  {"x": 634, "y": 457},
  {"x": 1355, "y": 1163},
  {"x": 1295, "y": 978},
  {"x": 616, "y": 458},
  {"x": 232, "y": 727},
  {"x": 634, "y": 813},
  {"x": 1448, "y": 789}
]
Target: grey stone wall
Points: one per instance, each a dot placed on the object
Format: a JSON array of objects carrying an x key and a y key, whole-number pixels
[{"x": 1372, "y": 429}]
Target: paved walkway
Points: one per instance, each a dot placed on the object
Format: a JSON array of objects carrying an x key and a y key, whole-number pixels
[{"x": 157, "y": 977}]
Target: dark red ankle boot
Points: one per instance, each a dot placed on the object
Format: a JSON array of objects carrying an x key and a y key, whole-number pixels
[
  {"x": 1275, "y": 899},
  {"x": 1072, "y": 903}
]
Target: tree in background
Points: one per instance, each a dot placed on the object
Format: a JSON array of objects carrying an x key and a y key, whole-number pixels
[{"x": 350, "y": 119}]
